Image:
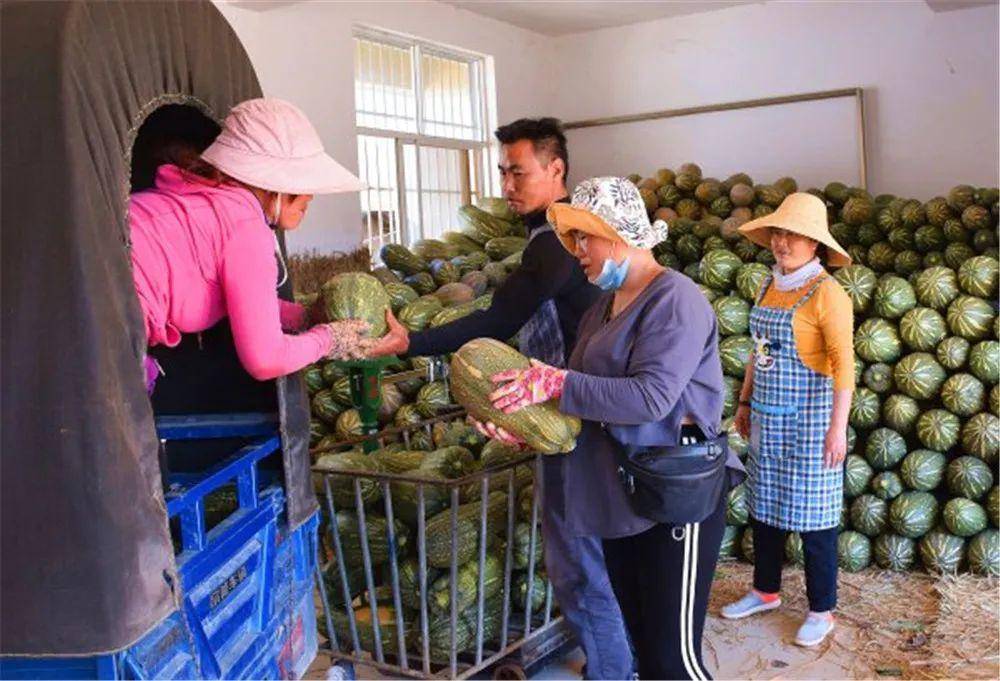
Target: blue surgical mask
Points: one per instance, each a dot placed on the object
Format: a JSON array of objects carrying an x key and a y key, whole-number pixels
[{"x": 612, "y": 275}]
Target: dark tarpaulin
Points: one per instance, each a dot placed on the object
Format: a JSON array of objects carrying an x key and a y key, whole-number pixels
[{"x": 86, "y": 559}]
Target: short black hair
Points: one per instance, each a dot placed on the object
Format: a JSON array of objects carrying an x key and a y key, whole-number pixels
[{"x": 546, "y": 135}]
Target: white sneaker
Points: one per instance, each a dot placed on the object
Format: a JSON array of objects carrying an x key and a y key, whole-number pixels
[
  {"x": 814, "y": 630},
  {"x": 750, "y": 604}
]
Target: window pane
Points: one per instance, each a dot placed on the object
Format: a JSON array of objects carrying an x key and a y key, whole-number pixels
[
  {"x": 384, "y": 94},
  {"x": 447, "y": 98},
  {"x": 380, "y": 201}
]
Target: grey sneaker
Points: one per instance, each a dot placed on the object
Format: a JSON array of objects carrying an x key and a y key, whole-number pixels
[
  {"x": 750, "y": 604},
  {"x": 814, "y": 629}
]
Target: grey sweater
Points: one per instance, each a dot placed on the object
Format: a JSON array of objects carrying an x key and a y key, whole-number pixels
[{"x": 641, "y": 374}]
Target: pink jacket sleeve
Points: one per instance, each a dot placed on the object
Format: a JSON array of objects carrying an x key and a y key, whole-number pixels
[
  {"x": 293, "y": 316},
  {"x": 249, "y": 272}
]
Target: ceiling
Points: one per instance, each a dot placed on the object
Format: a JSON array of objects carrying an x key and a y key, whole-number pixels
[{"x": 562, "y": 18}]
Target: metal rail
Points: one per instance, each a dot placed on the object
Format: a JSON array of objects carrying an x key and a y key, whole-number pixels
[{"x": 856, "y": 92}]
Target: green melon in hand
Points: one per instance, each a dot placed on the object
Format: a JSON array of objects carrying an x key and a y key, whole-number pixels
[{"x": 356, "y": 295}]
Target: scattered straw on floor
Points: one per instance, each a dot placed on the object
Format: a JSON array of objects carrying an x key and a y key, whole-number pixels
[
  {"x": 905, "y": 625},
  {"x": 311, "y": 269}
]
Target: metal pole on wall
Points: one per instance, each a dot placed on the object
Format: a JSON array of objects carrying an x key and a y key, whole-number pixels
[{"x": 856, "y": 92}]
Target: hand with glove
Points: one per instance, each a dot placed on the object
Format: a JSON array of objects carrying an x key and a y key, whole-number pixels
[
  {"x": 524, "y": 387},
  {"x": 349, "y": 339},
  {"x": 492, "y": 431},
  {"x": 396, "y": 341}
]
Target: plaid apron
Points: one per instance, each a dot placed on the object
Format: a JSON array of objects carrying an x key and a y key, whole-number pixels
[
  {"x": 541, "y": 336},
  {"x": 788, "y": 485}
]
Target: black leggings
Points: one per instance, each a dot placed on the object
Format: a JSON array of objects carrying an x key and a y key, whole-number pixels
[{"x": 662, "y": 578}]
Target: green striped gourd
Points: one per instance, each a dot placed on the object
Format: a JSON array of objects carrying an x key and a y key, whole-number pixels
[
  {"x": 504, "y": 247},
  {"x": 922, "y": 328},
  {"x": 854, "y": 551},
  {"x": 936, "y": 287},
  {"x": 480, "y": 226},
  {"x": 877, "y": 340},
  {"x": 885, "y": 448},
  {"x": 984, "y": 361},
  {"x": 941, "y": 552},
  {"x": 952, "y": 352},
  {"x": 421, "y": 282},
  {"x": 964, "y": 517},
  {"x": 857, "y": 474},
  {"x": 938, "y": 429},
  {"x": 919, "y": 375},
  {"x": 923, "y": 469},
  {"x": 542, "y": 426},
  {"x": 893, "y": 552},
  {"x": 970, "y": 317},
  {"x": 377, "y": 534},
  {"x": 467, "y": 585},
  {"x": 402, "y": 259},
  {"x": 981, "y": 437},
  {"x": 963, "y": 394},
  {"x": 356, "y": 295},
  {"x": 417, "y": 315},
  {"x": 869, "y": 514},
  {"x": 984, "y": 553},
  {"x": 900, "y": 412},
  {"x": 978, "y": 276}
]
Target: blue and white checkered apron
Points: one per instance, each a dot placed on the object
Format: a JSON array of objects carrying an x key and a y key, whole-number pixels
[
  {"x": 541, "y": 336},
  {"x": 788, "y": 484}
]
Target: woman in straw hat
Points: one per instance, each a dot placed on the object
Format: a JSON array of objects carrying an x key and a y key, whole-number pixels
[
  {"x": 794, "y": 407},
  {"x": 645, "y": 372},
  {"x": 203, "y": 246}
]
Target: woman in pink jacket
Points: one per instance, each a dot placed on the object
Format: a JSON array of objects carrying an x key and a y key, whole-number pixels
[{"x": 203, "y": 249}]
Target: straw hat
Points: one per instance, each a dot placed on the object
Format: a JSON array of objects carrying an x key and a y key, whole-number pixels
[
  {"x": 803, "y": 214},
  {"x": 269, "y": 143}
]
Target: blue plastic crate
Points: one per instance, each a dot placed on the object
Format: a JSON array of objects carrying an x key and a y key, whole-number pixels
[{"x": 246, "y": 584}]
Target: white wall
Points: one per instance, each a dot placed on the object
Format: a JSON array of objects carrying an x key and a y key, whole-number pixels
[
  {"x": 932, "y": 83},
  {"x": 304, "y": 53}
]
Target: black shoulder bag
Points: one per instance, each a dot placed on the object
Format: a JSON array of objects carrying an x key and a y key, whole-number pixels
[{"x": 675, "y": 485}]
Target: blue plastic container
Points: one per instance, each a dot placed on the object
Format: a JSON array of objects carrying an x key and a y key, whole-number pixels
[{"x": 246, "y": 584}]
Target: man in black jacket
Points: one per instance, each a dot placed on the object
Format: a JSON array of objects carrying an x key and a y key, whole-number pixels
[{"x": 542, "y": 302}]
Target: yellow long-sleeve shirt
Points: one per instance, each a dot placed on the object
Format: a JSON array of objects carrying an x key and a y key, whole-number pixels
[{"x": 823, "y": 327}]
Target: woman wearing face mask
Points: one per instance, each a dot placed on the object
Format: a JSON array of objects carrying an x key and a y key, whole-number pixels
[
  {"x": 203, "y": 249},
  {"x": 645, "y": 372},
  {"x": 794, "y": 407}
]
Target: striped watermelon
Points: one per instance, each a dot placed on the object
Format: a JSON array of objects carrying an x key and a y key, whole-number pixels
[
  {"x": 877, "y": 340},
  {"x": 912, "y": 514},
  {"x": 955, "y": 231},
  {"x": 937, "y": 211},
  {"x": 348, "y": 425},
  {"x": 865, "y": 406},
  {"x": 912, "y": 214},
  {"x": 710, "y": 293},
  {"x": 854, "y": 551},
  {"x": 900, "y": 413},
  {"x": 749, "y": 279},
  {"x": 857, "y": 475},
  {"x": 887, "y": 485},
  {"x": 794, "y": 551},
  {"x": 941, "y": 552},
  {"x": 922, "y": 328},
  {"x": 731, "y": 390},
  {"x": 885, "y": 448},
  {"x": 970, "y": 317},
  {"x": 733, "y": 315},
  {"x": 984, "y": 361},
  {"x": 995, "y": 399},
  {"x": 963, "y": 517},
  {"x": 952, "y": 352},
  {"x": 901, "y": 238},
  {"x": 734, "y": 352},
  {"x": 978, "y": 276},
  {"x": 929, "y": 238},
  {"x": 893, "y": 552},
  {"x": 907, "y": 263},
  {"x": 878, "y": 377},
  {"x": 746, "y": 544},
  {"x": 852, "y": 438},
  {"x": 729, "y": 547},
  {"x": 893, "y": 297},
  {"x": 881, "y": 257},
  {"x": 869, "y": 515},
  {"x": 923, "y": 469},
  {"x": 919, "y": 375},
  {"x": 957, "y": 253},
  {"x": 938, "y": 429},
  {"x": 936, "y": 287},
  {"x": 984, "y": 553},
  {"x": 963, "y": 395},
  {"x": 737, "y": 508},
  {"x": 993, "y": 505},
  {"x": 985, "y": 241},
  {"x": 934, "y": 259},
  {"x": 969, "y": 477},
  {"x": 981, "y": 437},
  {"x": 859, "y": 369},
  {"x": 718, "y": 269},
  {"x": 868, "y": 235},
  {"x": 859, "y": 282}
]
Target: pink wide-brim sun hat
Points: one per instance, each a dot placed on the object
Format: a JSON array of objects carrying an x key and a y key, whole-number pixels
[{"x": 270, "y": 144}]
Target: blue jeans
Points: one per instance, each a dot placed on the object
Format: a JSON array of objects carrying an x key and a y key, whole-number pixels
[{"x": 580, "y": 583}]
